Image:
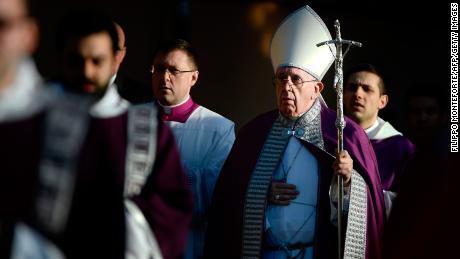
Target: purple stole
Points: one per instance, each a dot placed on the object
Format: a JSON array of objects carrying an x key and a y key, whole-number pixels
[
  {"x": 359, "y": 147},
  {"x": 66, "y": 124},
  {"x": 32, "y": 165},
  {"x": 400, "y": 150},
  {"x": 224, "y": 236},
  {"x": 96, "y": 219}
]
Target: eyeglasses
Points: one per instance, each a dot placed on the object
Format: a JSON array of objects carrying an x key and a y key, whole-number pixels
[
  {"x": 174, "y": 72},
  {"x": 296, "y": 81}
]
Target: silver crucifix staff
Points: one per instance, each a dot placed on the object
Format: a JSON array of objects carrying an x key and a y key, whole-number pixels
[{"x": 340, "y": 122}]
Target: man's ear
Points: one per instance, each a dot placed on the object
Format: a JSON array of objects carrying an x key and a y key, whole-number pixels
[
  {"x": 30, "y": 35},
  {"x": 319, "y": 86},
  {"x": 195, "y": 77},
  {"x": 383, "y": 100},
  {"x": 119, "y": 56}
]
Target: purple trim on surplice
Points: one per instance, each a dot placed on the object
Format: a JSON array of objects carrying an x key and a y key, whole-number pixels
[{"x": 179, "y": 113}]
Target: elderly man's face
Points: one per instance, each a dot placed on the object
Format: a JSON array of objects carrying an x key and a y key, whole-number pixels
[
  {"x": 296, "y": 91},
  {"x": 89, "y": 63}
]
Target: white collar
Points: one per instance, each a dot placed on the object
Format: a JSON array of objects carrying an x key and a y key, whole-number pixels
[
  {"x": 112, "y": 79},
  {"x": 175, "y": 105},
  {"x": 381, "y": 129},
  {"x": 110, "y": 105},
  {"x": 24, "y": 97},
  {"x": 371, "y": 130}
]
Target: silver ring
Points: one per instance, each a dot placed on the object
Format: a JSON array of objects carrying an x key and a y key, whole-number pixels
[{"x": 277, "y": 197}]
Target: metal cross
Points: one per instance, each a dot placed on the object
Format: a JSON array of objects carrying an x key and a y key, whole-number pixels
[{"x": 340, "y": 121}]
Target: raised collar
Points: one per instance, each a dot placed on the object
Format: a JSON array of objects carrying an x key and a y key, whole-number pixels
[
  {"x": 372, "y": 129},
  {"x": 180, "y": 112},
  {"x": 303, "y": 120},
  {"x": 306, "y": 127},
  {"x": 110, "y": 105},
  {"x": 382, "y": 130}
]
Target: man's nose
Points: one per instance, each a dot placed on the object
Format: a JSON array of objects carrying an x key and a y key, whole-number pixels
[
  {"x": 165, "y": 76},
  {"x": 286, "y": 85},
  {"x": 89, "y": 70},
  {"x": 358, "y": 93}
]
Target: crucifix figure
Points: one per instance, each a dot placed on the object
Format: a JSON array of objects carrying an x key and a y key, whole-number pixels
[{"x": 340, "y": 122}]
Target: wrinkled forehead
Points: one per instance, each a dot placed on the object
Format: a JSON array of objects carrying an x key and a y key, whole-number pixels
[{"x": 291, "y": 70}]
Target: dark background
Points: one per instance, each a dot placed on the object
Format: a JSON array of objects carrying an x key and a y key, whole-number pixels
[{"x": 408, "y": 41}]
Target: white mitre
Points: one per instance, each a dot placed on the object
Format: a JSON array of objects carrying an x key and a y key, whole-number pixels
[{"x": 295, "y": 40}]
